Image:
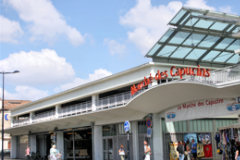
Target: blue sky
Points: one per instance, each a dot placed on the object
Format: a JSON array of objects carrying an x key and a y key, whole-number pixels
[{"x": 59, "y": 44}]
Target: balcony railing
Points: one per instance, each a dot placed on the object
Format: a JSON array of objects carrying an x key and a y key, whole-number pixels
[
  {"x": 220, "y": 77},
  {"x": 76, "y": 109},
  {"x": 20, "y": 122},
  {"x": 43, "y": 116}
]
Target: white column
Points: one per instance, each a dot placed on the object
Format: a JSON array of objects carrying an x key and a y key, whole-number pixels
[
  {"x": 31, "y": 117},
  {"x": 14, "y": 147},
  {"x": 60, "y": 142},
  {"x": 134, "y": 128},
  {"x": 97, "y": 143},
  {"x": 157, "y": 137},
  {"x": 33, "y": 143},
  {"x": 94, "y": 99},
  {"x": 57, "y": 110}
]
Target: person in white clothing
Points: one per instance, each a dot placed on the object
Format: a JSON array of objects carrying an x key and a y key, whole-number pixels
[
  {"x": 121, "y": 152},
  {"x": 147, "y": 150}
]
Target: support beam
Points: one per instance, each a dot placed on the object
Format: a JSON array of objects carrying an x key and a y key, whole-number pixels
[
  {"x": 60, "y": 142},
  {"x": 97, "y": 142},
  {"x": 134, "y": 126},
  {"x": 94, "y": 100},
  {"x": 14, "y": 144},
  {"x": 157, "y": 137},
  {"x": 57, "y": 110},
  {"x": 33, "y": 143}
]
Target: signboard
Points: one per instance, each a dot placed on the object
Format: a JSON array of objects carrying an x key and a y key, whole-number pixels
[
  {"x": 174, "y": 72},
  {"x": 149, "y": 132},
  {"x": 127, "y": 126},
  {"x": 149, "y": 123},
  {"x": 202, "y": 109}
]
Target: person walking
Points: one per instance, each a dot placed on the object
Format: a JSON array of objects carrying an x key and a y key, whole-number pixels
[
  {"x": 54, "y": 153},
  {"x": 147, "y": 150},
  {"x": 121, "y": 152},
  {"x": 180, "y": 150},
  {"x": 194, "y": 149},
  {"x": 27, "y": 152},
  {"x": 237, "y": 153}
]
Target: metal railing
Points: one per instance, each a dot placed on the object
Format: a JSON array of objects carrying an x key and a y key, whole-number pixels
[
  {"x": 220, "y": 77},
  {"x": 20, "y": 122},
  {"x": 76, "y": 109},
  {"x": 43, "y": 116},
  {"x": 113, "y": 101}
]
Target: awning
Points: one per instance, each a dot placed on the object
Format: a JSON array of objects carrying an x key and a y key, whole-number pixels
[{"x": 199, "y": 37}]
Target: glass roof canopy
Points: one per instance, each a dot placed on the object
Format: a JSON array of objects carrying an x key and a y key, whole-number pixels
[{"x": 199, "y": 37}]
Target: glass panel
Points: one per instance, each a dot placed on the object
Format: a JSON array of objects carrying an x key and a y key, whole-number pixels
[
  {"x": 181, "y": 52},
  {"x": 196, "y": 53},
  {"x": 203, "y": 23},
  {"x": 208, "y": 41},
  {"x": 235, "y": 59},
  {"x": 194, "y": 39},
  {"x": 224, "y": 43},
  {"x": 219, "y": 26},
  {"x": 166, "y": 51},
  {"x": 178, "y": 16},
  {"x": 223, "y": 57},
  {"x": 154, "y": 49},
  {"x": 230, "y": 28},
  {"x": 166, "y": 35},
  {"x": 236, "y": 30},
  {"x": 179, "y": 38},
  {"x": 109, "y": 130},
  {"x": 191, "y": 21},
  {"x": 186, "y": 17},
  {"x": 211, "y": 55},
  {"x": 234, "y": 46}
]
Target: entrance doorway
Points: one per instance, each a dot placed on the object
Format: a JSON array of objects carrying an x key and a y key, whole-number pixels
[
  {"x": 78, "y": 144},
  {"x": 107, "y": 149}
]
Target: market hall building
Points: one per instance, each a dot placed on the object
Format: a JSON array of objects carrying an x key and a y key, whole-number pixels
[{"x": 189, "y": 90}]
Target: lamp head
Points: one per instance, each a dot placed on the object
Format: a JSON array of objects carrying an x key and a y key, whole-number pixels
[{"x": 16, "y": 71}]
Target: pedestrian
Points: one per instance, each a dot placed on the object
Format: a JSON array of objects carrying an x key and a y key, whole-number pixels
[
  {"x": 54, "y": 153},
  {"x": 194, "y": 149},
  {"x": 121, "y": 152},
  {"x": 147, "y": 150},
  {"x": 180, "y": 150},
  {"x": 27, "y": 152},
  {"x": 187, "y": 153},
  {"x": 237, "y": 153}
]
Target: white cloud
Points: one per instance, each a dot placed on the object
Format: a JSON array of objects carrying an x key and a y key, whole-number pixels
[
  {"x": 199, "y": 4},
  {"x": 10, "y": 30},
  {"x": 46, "y": 23},
  {"x": 42, "y": 68},
  {"x": 115, "y": 47},
  {"x": 98, "y": 74},
  {"x": 25, "y": 93},
  {"x": 226, "y": 9},
  {"x": 148, "y": 23}
]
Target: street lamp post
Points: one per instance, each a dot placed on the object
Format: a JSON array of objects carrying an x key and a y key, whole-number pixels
[{"x": 3, "y": 74}]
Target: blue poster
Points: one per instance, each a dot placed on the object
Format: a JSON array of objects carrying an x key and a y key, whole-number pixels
[{"x": 189, "y": 137}]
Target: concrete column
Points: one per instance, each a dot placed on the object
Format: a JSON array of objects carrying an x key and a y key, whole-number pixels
[
  {"x": 14, "y": 144},
  {"x": 33, "y": 143},
  {"x": 60, "y": 142},
  {"x": 134, "y": 128},
  {"x": 31, "y": 117},
  {"x": 57, "y": 110},
  {"x": 97, "y": 142},
  {"x": 94, "y": 99},
  {"x": 157, "y": 137}
]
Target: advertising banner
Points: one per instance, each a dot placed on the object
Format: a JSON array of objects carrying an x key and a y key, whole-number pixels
[{"x": 202, "y": 109}]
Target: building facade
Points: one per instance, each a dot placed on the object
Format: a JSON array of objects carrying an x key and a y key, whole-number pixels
[{"x": 191, "y": 88}]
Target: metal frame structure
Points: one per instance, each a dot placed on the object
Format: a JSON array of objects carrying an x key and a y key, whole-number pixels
[{"x": 199, "y": 37}]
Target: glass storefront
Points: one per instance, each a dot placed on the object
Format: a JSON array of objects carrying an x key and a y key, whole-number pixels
[
  {"x": 78, "y": 145},
  {"x": 23, "y": 142},
  {"x": 113, "y": 137},
  {"x": 203, "y": 132}
]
